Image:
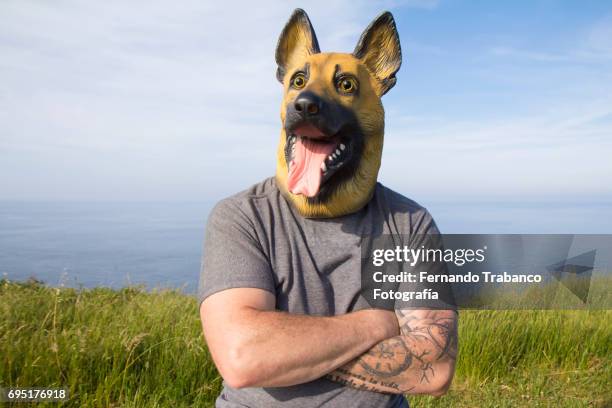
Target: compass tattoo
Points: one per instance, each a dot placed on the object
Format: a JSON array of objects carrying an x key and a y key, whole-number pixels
[{"x": 408, "y": 362}]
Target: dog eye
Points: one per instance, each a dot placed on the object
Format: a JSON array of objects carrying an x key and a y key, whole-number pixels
[
  {"x": 298, "y": 81},
  {"x": 347, "y": 85}
]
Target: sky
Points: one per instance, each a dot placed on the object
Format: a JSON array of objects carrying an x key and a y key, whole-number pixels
[{"x": 160, "y": 100}]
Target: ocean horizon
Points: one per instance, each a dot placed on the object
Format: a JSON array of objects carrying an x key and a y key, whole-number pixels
[{"x": 159, "y": 244}]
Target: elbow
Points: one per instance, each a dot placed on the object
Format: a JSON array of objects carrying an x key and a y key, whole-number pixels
[
  {"x": 238, "y": 380},
  {"x": 439, "y": 390},
  {"x": 441, "y": 382},
  {"x": 235, "y": 380},
  {"x": 238, "y": 366},
  {"x": 436, "y": 383}
]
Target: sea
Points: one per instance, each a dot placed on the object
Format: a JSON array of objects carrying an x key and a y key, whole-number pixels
[{"x": 160, "y": 244}]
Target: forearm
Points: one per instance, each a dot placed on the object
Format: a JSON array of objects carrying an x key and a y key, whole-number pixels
[
  {"x": 419, "y": 361},
  {"x": 275, "y": 349},
  {"x": 401, "y": 372}
]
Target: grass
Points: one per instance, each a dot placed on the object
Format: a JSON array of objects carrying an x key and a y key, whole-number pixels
[{"x": 133, "y": 348}]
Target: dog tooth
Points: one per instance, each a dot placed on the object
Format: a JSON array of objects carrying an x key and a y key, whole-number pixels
[
  {"x": 323, "y": 167},
  {"x": 337, "y": 152},
  {"x": 330, "y": 158},
  {"x": 342, "y": 146}
]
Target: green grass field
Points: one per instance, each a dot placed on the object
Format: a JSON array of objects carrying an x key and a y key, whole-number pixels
[{"x": 133, "y": 348}]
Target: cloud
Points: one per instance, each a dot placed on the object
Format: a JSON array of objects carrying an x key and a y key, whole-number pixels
[
  {"x": 560, "y": 155},
  {"x": 147, "y": 100},
  {"x": 418, "y": 4},
  {"x": 592, "y": 45},
  {"x": 530, "y": 55},
  {"x": 599, "y": 37}
]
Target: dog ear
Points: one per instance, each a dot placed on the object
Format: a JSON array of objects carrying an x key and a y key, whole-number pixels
[
  {"x": 379, "y": 49},
  {"x": 297, "y": 41}
]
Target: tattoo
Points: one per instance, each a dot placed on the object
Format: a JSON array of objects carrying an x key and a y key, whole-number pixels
[
  {"x": 405, "y": 362},
  {"x": 441, "y": 332},
  {"x": 363, "y": 383},
  {"x": 387, "y": 359},
  {"x": 447, "y": 330}
]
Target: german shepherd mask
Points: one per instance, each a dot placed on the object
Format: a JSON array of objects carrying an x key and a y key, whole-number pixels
[{"x": 333, "y": 119}]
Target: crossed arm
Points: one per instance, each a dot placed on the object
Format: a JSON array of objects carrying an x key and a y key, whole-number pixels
[
  {"x": 421, "y": 360},
  {"x": 254, "y": 345}
]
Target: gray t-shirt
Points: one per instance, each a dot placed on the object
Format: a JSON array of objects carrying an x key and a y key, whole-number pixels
[{"x": 255, "y": 239}]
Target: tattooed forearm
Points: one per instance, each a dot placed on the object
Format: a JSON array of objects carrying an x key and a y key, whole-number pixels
[
  {"x": 437, "y": 327},
  {"x": 420, "y": 360},
  {"x": 361, "y": 382},
  {"x": 388, "y": 358}
]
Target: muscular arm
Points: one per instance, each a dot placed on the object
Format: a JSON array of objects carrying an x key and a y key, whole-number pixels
[
  {"x": 255, "y": 346},
  {"x": 421, "y": 360}
]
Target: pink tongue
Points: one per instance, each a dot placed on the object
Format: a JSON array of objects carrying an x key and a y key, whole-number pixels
[{"x": 305, "y": 169}]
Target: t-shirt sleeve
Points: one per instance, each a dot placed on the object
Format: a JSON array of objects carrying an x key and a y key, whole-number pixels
[
  {"x": 232, "y": 256},
  {"x": 426, "y": 237}
]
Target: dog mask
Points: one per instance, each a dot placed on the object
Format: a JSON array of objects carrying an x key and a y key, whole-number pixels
[{"x": 333, "y": 119}]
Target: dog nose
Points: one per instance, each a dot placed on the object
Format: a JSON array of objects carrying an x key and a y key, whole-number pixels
[{"x": 307, "y": 103}]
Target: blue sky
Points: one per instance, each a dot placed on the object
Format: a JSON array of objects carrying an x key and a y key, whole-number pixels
[{"x": 151, "y": 100}]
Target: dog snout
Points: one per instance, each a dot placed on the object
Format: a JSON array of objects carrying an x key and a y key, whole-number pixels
[{"x": 308, "y": 104}]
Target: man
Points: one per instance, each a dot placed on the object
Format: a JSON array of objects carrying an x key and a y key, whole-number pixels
[{"x": 282, "y": 306}]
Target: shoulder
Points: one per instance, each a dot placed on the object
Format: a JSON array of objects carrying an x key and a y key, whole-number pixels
[
  {"x": 243, "y": 205},
  {"x": 406, "y": 212},
  {"x": 398, "y": 202}
]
